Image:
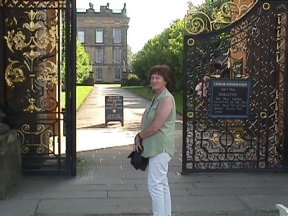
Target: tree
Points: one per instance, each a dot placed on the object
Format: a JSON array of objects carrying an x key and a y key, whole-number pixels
[
  {"x": 83, "y": 65},
  {"x": 166, "y": 48}
]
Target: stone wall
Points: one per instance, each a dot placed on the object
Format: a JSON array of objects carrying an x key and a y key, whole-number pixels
[
  {"x": 10, "y": 162},
  {"x": 10, "y": 159}
]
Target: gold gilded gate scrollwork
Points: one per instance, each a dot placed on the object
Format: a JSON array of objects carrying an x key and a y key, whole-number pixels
[
  {"x": 34, "y": 45},
  {"x": 197, "y": 21},
  {"x": 34, "y": 3},
  {"x": 251, "y": 45},
  {"x": 37, "y": 41}
]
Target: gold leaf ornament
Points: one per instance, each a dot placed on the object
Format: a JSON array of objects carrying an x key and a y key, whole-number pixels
[
  {"x": 31, "y": 55},
  {"x": 197, "y": 21},
  {"x": 16, "y": 40},
  {"x": 32, "y": 25},
  {"x": 32, "y": 107},
  {"x": 13, "y": 75}
]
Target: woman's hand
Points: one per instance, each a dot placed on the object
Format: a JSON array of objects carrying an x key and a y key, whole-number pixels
[
  {"x": 137, "y": 147},
  {"x": 137, "y": 143}
]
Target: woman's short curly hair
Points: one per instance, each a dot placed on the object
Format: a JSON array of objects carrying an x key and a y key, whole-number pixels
[{"x": 164, "y": 71}]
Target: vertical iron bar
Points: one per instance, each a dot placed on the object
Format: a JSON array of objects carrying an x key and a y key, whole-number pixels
[
  {"x": 67, "y": 87},
  {"x": 285, "y": 140},
  {"x": 73, "y": 90},
  {"x": 2, "y": 96},
  {"x": 3, "y": 62},
  {"x": 184, "y": 139},
  {"x": 59, "y": 31},
  {"x": 70, "y": 85}
]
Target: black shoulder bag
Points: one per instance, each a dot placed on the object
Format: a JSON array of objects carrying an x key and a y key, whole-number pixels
[{"x": 137, "y": 160}]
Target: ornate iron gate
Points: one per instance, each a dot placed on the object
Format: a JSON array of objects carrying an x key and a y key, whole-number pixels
[
  {"x": 39, "y": 61},
  {"x": 252, "y": 47}
]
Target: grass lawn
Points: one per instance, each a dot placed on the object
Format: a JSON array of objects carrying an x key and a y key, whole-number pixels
[
  {"x": 146, "y": 92},
  {"x": 81, "y": 93}
]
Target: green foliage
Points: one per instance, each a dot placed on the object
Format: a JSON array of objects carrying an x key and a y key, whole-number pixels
[
  {"x": 133, "y": 80},
  {"x": 166, "y": 48},
  {"x": 217, "y": 10},
  {"x": 212, "y": 7},
  {"x": 83, "y": 65}
]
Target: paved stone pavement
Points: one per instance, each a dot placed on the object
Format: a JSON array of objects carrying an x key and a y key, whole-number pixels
[{"x": 106, "y": 184}]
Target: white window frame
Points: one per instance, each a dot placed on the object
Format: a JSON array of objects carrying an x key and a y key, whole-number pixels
[
  {"x": 81, "y": 36},
  {"x": 99, "y": 36},
  {"x": 117, "y": 35}
]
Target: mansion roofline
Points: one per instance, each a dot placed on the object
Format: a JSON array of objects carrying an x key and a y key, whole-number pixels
[{"x": 104, "y": 11}]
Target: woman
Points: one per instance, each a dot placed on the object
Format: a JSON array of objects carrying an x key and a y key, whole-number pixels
[{"x": 157, "y": 137}]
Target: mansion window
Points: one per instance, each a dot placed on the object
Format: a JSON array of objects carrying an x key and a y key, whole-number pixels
[
  {"x": 117, "y": 55},
  {"x": 117, "y": 35},
  {"x": 99, "y": 36},
  {"x": 81, "y": 36},
  {"x": 117, "y": 73},
  {"x": 98, "y": 74},
  {"x": 99, "y": 55}
]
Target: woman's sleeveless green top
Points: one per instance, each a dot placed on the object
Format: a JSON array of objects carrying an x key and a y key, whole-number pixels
[{"x": 163, "y": 140}]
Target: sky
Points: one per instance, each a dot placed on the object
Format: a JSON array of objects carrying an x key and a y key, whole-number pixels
[{"x": 147, "y": 17}]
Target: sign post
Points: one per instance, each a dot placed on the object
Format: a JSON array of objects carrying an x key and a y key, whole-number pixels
[{"x": 114, "y": 109}]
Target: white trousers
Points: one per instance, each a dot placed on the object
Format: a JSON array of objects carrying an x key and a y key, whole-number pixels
[{"x": 158, "y": 184}]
